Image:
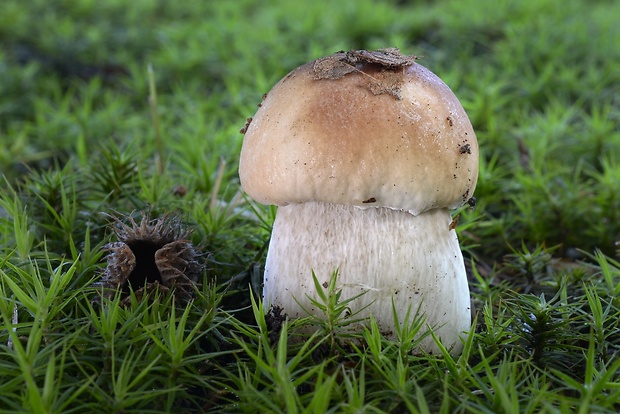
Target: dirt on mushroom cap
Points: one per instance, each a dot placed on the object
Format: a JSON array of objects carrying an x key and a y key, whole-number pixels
[{"x": 382, "y": 63}]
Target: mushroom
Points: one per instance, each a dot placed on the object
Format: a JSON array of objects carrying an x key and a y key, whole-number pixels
[{"x": 365, "y": 153}]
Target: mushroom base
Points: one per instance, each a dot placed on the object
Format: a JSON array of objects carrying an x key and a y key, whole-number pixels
[{"x": 391, "y": 255}]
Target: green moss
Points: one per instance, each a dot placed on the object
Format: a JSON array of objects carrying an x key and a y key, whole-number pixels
[{"x": 540, "y": 82}]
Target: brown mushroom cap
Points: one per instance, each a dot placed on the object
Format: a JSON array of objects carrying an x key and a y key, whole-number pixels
[{"x": 359, "y": 131}]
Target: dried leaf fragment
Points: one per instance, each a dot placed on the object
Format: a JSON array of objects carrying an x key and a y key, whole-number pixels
[
  {"x": 342, "y": 63},
  {"x": 383, "y": 68}
]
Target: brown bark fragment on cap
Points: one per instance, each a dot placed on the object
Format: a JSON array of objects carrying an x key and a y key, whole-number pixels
[
  {"x": 332, "y": 67},
  {"x": 381, "y": 66},
  {"x": 389, "y": 58}
]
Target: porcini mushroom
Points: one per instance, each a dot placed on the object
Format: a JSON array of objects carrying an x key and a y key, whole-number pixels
[{"x": 365, "y": 153}]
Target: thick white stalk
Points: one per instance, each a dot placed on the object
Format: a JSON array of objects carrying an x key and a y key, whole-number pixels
[{"x": 392, "y": 254}]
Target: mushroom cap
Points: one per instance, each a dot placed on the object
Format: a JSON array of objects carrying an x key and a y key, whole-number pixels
[{"x": 356, "y": 128}]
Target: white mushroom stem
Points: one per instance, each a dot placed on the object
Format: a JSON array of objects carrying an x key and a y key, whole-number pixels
[{"x": 392, "y": 254}]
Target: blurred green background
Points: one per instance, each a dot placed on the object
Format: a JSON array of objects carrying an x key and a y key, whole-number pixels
[
  {"x": 539, "y": 80},
  {"x": 81, "y": 134}
]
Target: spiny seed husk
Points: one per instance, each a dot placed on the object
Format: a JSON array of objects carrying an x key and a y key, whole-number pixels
[{"x": 149, "y": 255}]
